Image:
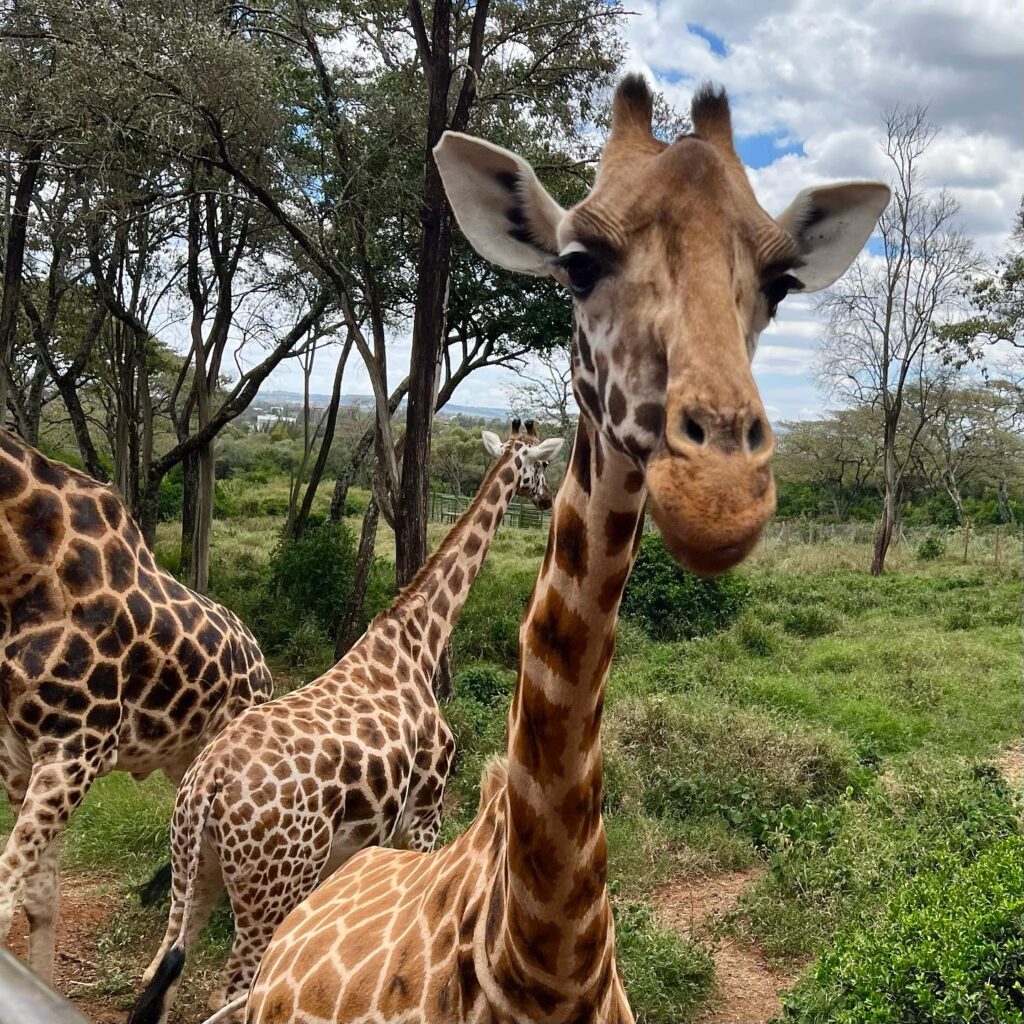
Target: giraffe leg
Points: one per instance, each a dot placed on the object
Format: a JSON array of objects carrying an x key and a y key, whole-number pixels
[
  {"x": 54, "y": 790},
  {"x": 258, "y": 912},
  {"x": 154, "y": 1005},
  {"x": 41, "y": 902}
]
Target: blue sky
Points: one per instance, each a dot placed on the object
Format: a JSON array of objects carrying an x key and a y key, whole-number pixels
[{"x": 808, "y": 81}]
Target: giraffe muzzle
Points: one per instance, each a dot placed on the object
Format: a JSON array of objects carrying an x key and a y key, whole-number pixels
[{"x": 711, "y": 499}]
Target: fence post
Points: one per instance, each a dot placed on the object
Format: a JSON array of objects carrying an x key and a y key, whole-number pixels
[{"x": 967, "y": 538}]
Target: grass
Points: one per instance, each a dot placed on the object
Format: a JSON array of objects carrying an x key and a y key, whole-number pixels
[{"x": 840, "y": 732}]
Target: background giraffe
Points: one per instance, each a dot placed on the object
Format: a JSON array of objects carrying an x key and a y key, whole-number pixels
[
  {"x": 108, "y": 662},
  {"x": 675, "y": 269},
  {"x": 360, "y": 756}
]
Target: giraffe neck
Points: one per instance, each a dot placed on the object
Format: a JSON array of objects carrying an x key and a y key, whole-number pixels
[
  {"x": 558, "y": 916},
  {"x": 428, "y": 608}
]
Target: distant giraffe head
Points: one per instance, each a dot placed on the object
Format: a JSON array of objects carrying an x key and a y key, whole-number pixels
[
  {"x": 674, "y": 269},
  {"x": 537, "y": 455}
]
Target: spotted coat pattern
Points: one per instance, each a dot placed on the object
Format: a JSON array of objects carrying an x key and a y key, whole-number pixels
[{"x": 108, "y": 663}]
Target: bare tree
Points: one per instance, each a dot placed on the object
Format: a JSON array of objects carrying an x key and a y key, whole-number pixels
[
  {"x": 544, "y": 391},
  {"x": 880, "y": 341}
]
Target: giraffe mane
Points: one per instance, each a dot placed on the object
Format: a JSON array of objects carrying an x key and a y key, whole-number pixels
[{"x": 411, "y": 594}]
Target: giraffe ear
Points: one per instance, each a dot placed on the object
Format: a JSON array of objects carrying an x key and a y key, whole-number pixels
[
  {"x": 492, "y": 443},
  {"x": 831, "y": 225},
  {"x": 543, "y": 451},
  {"x": 500, "y": 205}
]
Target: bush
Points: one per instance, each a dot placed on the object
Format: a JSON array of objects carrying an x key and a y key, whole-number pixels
[
  {"x": 673, "y": 604},
  {"x": 486, "y": 684},
  {"x": 950, "y": 950},
  {"x": 666, "y": 976},
  {"x": 308, "y": 648},
  {"x": 811, "y": 621},
  {"x": 931, "y": 548},
  {"x": 488, "y": 629},
  {"x": 309, "y": 581}
]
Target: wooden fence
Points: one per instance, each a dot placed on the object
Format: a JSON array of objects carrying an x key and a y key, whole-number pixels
[{"x": 446, "y": 508}]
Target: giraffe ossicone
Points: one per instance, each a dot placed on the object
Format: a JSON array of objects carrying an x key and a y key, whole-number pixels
[
  {"x": 674, "y": 269},
  {"x": 359, "y": 756},
  {"x": 108, "y": 662}
]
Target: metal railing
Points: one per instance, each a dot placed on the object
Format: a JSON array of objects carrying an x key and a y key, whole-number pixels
[
  {"x": 446, "y": 508},
  {"x": 24, "y": 999}
]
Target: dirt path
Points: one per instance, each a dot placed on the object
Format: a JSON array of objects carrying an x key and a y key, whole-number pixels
[
  {"x": 747, "y": 987},
  {"x": 1011, "y": 764},
  {"x": 85, "y": 909}
]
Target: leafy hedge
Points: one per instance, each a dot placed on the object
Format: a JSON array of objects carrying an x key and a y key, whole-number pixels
[
  {"x": 950, "y": 950},
  {"x": 673, "y": 604}
]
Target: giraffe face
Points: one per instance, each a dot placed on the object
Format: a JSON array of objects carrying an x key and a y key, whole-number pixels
[
  {"x": 534, "y": 457},
  {"x": 674, "y": 270}
]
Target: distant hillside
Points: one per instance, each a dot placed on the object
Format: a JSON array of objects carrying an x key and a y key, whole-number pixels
[{"x": 450, "y": 411}]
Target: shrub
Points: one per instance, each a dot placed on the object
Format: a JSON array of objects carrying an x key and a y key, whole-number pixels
[
  {"x": 488, "y": 628},
  {"x": 673, "y": 604},
  {"x": 811, "y": 621},
  {"x": 931, "y": 548},
  {"x": 950, "y": 950},
  {"x": 666, "y": 976},
  {"x": 309, "y": 580},
  {"x": 828, "y": 880},
  {"x": 486, "y": 684},
  {"x": 170, "y": 496},
  {"x": 308, "y": 647}
]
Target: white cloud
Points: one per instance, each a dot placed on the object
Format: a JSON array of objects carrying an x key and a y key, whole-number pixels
[{"x": 821, "y": 75}]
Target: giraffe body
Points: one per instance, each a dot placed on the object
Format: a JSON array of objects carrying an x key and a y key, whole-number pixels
[
  {"x": 108, "y": 663},
  {"x": 674, "y": 270},
  {"x": 358, "y": 757}
]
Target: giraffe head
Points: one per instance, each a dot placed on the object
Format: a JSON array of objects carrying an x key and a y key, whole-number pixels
[
  {"x": 674, "y": 270},
  {"x": 536, "y": 455}
]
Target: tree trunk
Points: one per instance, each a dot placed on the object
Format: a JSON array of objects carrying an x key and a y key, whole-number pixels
[
  {"x": 14, "y": 262},
  {"x": 359, "y": 454},
  {"x": 1003, "y": 497},
  {"x": 883, "y": 539},
  {"x": 317, "y": 472},
  {"x": 351, "y": 619},
  {"x": 149, "y": 507},
  {"x": 199, "y": 578},
  {"x": 429, "y": 321},
  {"x": 189, "y": 504}
]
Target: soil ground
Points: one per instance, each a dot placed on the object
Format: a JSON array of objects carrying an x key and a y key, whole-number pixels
[{"x": 747, "y": 987}]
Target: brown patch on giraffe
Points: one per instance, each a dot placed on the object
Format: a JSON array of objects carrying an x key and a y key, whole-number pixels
[
  {"x": 558, "y": 636},
  {"x": 570, "y": 543},
  {"x": 618, "y": 530},
  {"x": 581, "y": 461}
]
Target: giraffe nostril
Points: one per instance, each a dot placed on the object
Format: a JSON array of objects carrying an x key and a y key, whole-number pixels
[
  {"x": 756, "y": 435},
  {"x": 693, "y": 430}
]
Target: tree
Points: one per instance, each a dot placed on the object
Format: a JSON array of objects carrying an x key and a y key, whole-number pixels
[
  {"x": 880, "y": 341},
  {"x": 545, "y": 392}
]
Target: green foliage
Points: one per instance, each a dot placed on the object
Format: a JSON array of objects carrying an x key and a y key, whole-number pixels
[
  {"x": 907, "y": 823},
  {"x": 485, "y": 684},
  {"x": 949, "y": 950},
  {"x": 665, "y": 976},
  {"x": 309, "y": 582},
  {"x": 672, "y": 603},
  {"x": 488, "y": 628},
  {"x": 931, "y": 548}
]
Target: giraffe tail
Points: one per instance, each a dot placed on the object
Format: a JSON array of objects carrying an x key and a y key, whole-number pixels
[{"x": 154, "y": 1002}]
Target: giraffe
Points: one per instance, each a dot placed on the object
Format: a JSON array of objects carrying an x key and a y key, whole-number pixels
[
  {"x": 674, "y": 270},
  {"x": 360, "y": 756},
  {"x": 108, "y": 663}
]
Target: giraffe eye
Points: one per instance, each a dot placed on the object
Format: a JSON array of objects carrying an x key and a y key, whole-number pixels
[
  {"x": 777, "y": 289},
  {"x": 582, "y": 270}
]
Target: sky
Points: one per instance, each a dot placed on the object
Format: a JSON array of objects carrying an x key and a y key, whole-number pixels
[{"x": 808, "y": 81}]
